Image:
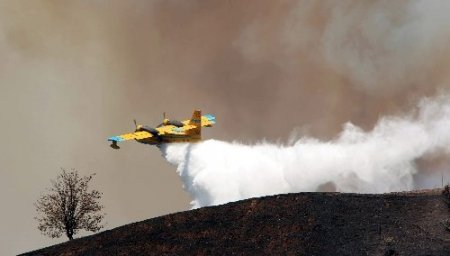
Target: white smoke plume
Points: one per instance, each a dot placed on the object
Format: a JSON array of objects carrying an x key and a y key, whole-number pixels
[{"x": 376, "y": 161}]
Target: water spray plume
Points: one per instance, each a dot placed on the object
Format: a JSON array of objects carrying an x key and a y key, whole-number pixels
[{"x": 376, "y": 161}]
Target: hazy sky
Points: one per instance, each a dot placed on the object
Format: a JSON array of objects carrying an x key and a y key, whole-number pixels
[{"x": 74, "y": 73}]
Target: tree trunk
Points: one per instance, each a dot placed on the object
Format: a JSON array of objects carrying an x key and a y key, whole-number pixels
[{"x": 69, "y": 235}]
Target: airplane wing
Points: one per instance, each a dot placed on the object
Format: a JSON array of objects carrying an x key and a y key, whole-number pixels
[{"x": 131, "y": 136}]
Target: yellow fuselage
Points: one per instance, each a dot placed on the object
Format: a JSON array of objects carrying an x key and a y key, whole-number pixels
[{"x": 170, "y": 139}]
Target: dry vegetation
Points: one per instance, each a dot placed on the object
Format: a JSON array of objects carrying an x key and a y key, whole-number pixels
[{"x": 69, "y": 206}]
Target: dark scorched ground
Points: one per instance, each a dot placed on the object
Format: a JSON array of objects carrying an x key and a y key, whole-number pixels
[{"x": 291, "y": 224}]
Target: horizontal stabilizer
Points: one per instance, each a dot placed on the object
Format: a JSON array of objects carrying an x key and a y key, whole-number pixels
[{"x": 210, "y": 118}]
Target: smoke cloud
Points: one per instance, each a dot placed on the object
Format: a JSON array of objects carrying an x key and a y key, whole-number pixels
[{"x": 376, "y": 161}]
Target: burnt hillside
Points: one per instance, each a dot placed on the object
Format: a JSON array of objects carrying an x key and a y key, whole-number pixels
[{"x": 296, "y": 224}]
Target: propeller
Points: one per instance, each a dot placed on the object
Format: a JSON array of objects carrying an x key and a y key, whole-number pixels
[{"x": 135, "y": 123}]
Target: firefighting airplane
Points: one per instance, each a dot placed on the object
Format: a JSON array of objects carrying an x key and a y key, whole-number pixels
[{"x": 169, "y": 131}]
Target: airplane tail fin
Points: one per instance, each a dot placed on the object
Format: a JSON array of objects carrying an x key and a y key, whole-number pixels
[{"x": 196, "y": 121}]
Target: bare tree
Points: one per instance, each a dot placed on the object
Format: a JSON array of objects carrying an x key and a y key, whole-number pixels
[{"x": 69, "y": 206}]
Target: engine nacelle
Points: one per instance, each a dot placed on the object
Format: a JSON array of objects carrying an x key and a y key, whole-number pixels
[
  {"x": 150, "y": 130},
  {"x": 171, "y": 122}
]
